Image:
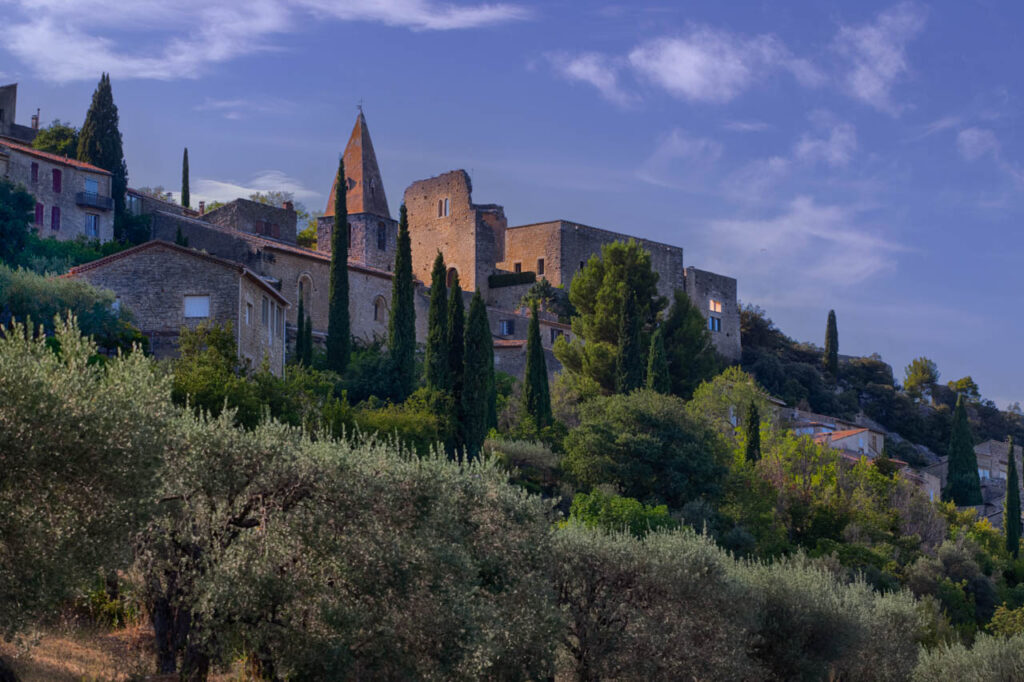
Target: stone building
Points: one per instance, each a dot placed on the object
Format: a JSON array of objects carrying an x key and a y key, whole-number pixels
[
  {"x": 168, "y": 287},
  {"x": 73, "y": 198},
  {"x": 8, "y": 109}
]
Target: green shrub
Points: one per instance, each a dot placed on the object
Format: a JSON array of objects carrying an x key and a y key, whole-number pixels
[
  {"x": 510, "y": 279},
  {"x": 991, "y": 659},
  {"x": 420, "y": 423},
  {"x": 614, "y": 512}
]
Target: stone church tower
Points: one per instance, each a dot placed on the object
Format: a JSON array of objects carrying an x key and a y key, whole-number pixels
[{"x": 372, "y": 232}]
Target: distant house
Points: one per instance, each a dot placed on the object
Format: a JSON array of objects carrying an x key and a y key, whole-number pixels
[
  {"x": 857, "y": 442},
  {"x": 168, "y": 287},
  {"x": 73, "y": 198}
]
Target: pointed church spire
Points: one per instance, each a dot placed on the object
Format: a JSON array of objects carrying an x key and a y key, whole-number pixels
[{"x": 365, "y": 187}]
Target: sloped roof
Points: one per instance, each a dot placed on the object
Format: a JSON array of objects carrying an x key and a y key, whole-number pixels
[
  {"x": 52, "y": 158},
  {"x": 365, "y": 186},
  {"x": 838, "y": 435},
  {"x": 159, "y": 243}
]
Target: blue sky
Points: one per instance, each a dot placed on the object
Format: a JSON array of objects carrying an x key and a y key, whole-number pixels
[{"x": 865, "y": 156}]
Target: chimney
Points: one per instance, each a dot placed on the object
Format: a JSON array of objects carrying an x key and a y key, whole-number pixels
[
  {"x": 35, "y": 120},
  {"x": 202, "y": 208},
  {"x": 288, "y": 206}
]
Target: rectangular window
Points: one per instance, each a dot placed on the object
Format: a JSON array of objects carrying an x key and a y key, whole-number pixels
[
  {"x": 35, "y": 172},
  {"x": 265, "y": 312},
  {"x": 92, "y": 226},
  {"x": 518, "y": 267},
  {"x": 540, "y": 266},
  {"x": 55, "y": 218},
  {"x": 507, "y": 327},
  {"x": 715, "y": 306},
  {"x": 197, "y": 306},
  {"x": 447, "y": 207},
  {"x": 56, "y": 180},
  {"x": 275, "y": 231},
  {"x": 92, "y": 186},
  {"x": 382, "y": 237},
  {"x": 39, "y": 215},
  {"x": 248, "y": 314},
  {"x": 582, "y": 263},
  {"x": 715, "y": 323},
  {"x": 555, "y": 333}
]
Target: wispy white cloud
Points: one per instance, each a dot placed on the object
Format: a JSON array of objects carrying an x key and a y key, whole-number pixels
[
  {"x": 663, "y": 168},
  {"x": 237, "y": 108},
  {"x": 757, "y": 179},
  {"x": 835, "y": 149},
  {"x": 974, "y": 143},
  {"x": 208, "y": 189},
  {"x": 595, "y": 69},
  {"x": 876, "y": 54},
  {"x": 746, "y": 126},
  {"x": 709, "y": 65},
  {"x": 174, "y": 40}
]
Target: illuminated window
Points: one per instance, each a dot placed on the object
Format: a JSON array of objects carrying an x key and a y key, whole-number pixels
[{"x": 715, "y": 306}]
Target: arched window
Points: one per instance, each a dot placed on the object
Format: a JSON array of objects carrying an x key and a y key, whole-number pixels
[
  {"x": 380, "y": 310},
  {"x": 452, "y": 272},
  {"x": 440, "y": 208},
  {"x": 305, "y": 291},
  {"x": 447, "y": 207}
]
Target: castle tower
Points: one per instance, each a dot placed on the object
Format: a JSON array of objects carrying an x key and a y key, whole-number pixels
[{"x": 372, "y": 232}]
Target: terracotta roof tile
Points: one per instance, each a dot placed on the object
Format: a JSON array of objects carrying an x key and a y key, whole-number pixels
[{"x": 54, "y": 158}]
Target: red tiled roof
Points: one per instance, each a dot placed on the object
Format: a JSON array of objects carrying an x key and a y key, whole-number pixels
[
  {"x": 54, "y": 158},
  {"x": 838, "y": 435},
  {"x": 156, "y": 243}
]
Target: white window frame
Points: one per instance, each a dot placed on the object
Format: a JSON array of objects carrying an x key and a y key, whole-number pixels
[{"x": 195, "y": 304}]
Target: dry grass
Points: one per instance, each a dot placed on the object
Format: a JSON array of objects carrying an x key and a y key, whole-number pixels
[{"x": 89, "y": 655}]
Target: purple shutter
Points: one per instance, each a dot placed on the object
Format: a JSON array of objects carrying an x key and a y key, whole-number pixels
[
  {"x": 39, "y": 214},
  {"x": 55, "y": 218},
  {"x": 56, "y": 180}
]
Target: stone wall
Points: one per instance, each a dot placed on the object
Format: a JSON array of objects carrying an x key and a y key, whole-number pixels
[
  {"x": 565, "y": 246},
  {"x": 260, "y": 339},
  {"x": 364, "y": 244},
  {"x": 152, "y": 282},
  {"x": 252, "y": 216},
  {"x": 469, "y": 235},
  {"x": 18, "y": 167},
  {"x": 704, "y": 287}
]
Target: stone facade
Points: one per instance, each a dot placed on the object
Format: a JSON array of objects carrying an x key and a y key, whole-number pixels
[
  {"x": 443, "y": 217},
  {"x": 139, "y": 203},
  {"x": 561, "y": 248},
  {"x": 371, "y": 240},
  {"x": 8, "y": 110},
  {"x": 159, "y": 281},
  {"x": 715, "y": 297},
  {"x": 72, "y": 198},
  {"x": 245, "y": 215}
]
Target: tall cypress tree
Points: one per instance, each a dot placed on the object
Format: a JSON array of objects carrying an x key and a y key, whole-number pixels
[
  {"x": 300, "y": 334},
  {"x": 402, "y": 325},
  {"x": 831, "y": 358},
  {"x": 536, "y": 393},
  {"x": 1011, "y": 507},
  {"x": 456, "y": 349},
  {"x": 99, "y": 143},
  {"x": 629, "y": 360},
  {"x": 963, "y": 485},
  {"x": 753, "y": 433},
  {"x": 186, "y": 198},
  {"x": 339, "y": 327},
  {"x": 658, "y": 377},
  {"x": 478, "y": 376},
  {"x": 438, "y": 376}
]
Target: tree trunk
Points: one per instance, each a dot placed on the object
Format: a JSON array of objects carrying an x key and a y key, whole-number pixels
[{"x": 165, "y": 634}]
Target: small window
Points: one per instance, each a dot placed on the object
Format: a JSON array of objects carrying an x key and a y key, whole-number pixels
[
  {"x": 57, "y": 180},
  {"x": 582, "y": 263},
  {"x": 275, "y": 231},
  {"x": 715, "y": 306},
  {"x": 116, "y": 305},
  {"x": 447, "y": 207},
  {"x": 379, "y": 310},
  {"x": 450, "y": 279},
  {"x": 92, "y": 226},
  {"x": 715, "y": 323},
  {"x": 39, "y": 215},
  {"x": 507, "y": 327},
  {"x": 440, "y": 208},
  {"x": 35, "y": 172},
  {"x": 92, "y": 186},
  {"x": 540, "y": 266},
  {"x": 555, "y": 333},
  {"x": 248, "y": 314},
  {"x": 197, "y": 306},
  {"x": 382, "y": 237},
  {"x": 55, "y": 217},
  {"x": 265, "y": 312},
  {"x": 518, "y": 267}
]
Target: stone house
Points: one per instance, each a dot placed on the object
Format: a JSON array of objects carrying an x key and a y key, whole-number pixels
[
  {"x": 8, "y": 109},
  {"x": 73, "y": 198},
  {"x": 168, "y": 287},
  {"x": 858, "y": 442}
]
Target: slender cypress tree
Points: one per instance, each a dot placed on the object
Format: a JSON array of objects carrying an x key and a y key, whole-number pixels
[
  {"x": 1011, "y": 507},
  {"x": 339, "y": 326},
  {"x": 307, "y": 344},
  {"x": 753, "y": 433},
  {"x": 629, "y": 360},
  {"x": 492, "y": 385},
  {"x": 300, "y": 334},
  {"x": 658, "y": 377},
  {"x": 536, "y": 393},
  {"x": 831, "y": 358},
  {"x": 963, "y": 485},
  {"x": 402, "y": 325},
  {"x": 99, "y": 143},
  {"x": 456, "y": 349},
  {"x": 438, "y": 376},
  {"x": 478, "y": 376},
  {"x": 186, "y": 199}
]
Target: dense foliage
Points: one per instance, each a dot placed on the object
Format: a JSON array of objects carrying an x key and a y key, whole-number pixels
[{"x": 99, "y": 143}]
